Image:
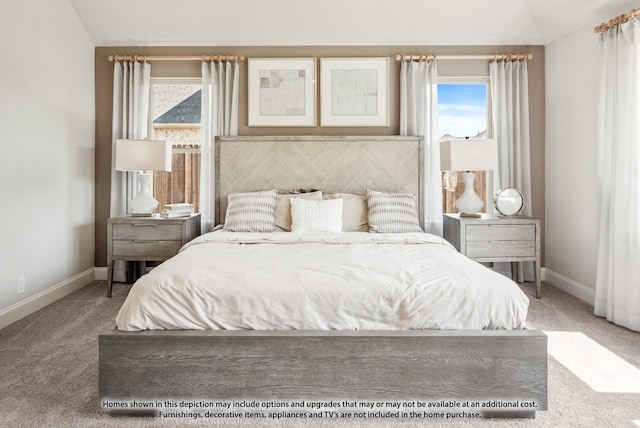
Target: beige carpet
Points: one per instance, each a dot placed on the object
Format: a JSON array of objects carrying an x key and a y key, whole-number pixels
[{"x": 49, "y": 369}]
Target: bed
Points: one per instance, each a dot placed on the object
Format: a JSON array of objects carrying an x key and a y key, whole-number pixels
[{"x": 338, "y": 316}]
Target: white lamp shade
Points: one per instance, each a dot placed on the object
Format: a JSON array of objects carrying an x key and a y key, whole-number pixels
[
  {"x": 468, "y": 155},
  {"x": 143, "y": 155}
]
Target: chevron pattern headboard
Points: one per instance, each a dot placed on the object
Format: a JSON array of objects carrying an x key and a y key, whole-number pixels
[{"x": 331, "y": 163}]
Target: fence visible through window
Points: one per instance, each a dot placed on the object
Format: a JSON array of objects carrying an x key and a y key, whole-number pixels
[
  {"x": 182, "y": 184},
  {"x": 175, "y": 107}
]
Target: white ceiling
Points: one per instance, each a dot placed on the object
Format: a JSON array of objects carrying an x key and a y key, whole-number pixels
[{"x": 339, "y": 22}]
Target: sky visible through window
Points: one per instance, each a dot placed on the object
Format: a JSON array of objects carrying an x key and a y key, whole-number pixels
[{"x": 462, "y": 108}]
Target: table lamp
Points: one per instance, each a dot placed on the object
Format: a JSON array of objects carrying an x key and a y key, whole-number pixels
[
  {"x": 145, "y": 156},
  {"x": 468, "y": 155}
]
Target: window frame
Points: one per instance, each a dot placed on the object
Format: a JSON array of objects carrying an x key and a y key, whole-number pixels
[
  {"x": 171, "y": 81},
  {"x": 471, "y": 80},
  {"x": 156, "y": 81}
]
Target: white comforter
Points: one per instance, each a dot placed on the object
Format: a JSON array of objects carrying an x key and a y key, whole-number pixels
[{"x": 311, "y": 281}]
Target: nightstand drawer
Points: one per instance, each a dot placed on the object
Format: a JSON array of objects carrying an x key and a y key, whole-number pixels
[
  {"x": 149, "y": 249},
  {"x": 496, "y": 249},
  {"x": 147, "y": 230},
  {"x": 500, "y": 232}
]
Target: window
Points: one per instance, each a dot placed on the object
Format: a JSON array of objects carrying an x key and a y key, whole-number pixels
[
  {"x": 175, "y": 117},
  {"x": 463, "y": 111}
]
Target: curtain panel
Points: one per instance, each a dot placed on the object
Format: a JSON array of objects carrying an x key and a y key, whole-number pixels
[
  {"x": 130, "y": 120},
  {"x": 510, "y": 111},
  {"x": 419, "y": 117},
  {"x": 618, "y": 270},
  {"x": 220, "y": 81},
  {"x": 131, "y": 83}
]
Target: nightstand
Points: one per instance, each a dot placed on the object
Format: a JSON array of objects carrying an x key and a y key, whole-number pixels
[
  {"x": 147, "y": 239},
  {"x": 496, "y": 239}
]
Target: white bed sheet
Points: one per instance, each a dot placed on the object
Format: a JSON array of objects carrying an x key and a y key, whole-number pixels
[{"x": 316, "y": 281}]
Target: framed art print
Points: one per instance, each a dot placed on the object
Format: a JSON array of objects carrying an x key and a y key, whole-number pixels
[
  {"x": 354, "y": 91},
  {"x": 282, "y": 92}
]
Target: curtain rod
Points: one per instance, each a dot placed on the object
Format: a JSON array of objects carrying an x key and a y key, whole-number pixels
[
  {"x": 496, "y": 57},
  {"x": 236, "y": 58},
  {"x": 605, "y": 26},
  {"x": 145, "y": 58}
]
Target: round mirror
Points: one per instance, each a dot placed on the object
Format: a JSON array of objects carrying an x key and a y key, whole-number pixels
[{"x": 509, "y": 202}]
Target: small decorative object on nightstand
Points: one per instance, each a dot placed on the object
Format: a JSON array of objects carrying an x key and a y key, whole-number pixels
[
  {"x": 496, "y": 239},
  {"x": 147, "y": 239},
  {"x": 509, "y": 202}
]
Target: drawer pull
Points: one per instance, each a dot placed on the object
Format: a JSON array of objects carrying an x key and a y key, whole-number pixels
[
  {"x": 145, "y": 224},
  {"x": 145, "y": 240}
]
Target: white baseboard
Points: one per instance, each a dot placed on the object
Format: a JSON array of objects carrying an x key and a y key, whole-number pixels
[
  {"x": 38, "y": 301},
  {"x": 572, "y": 287}
]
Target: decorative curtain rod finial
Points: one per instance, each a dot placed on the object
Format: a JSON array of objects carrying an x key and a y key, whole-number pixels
[{"x": 614, "y": 22}]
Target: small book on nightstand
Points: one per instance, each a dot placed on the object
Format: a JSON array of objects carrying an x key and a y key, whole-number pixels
[
  {"x": 175, "y": 214},
  {"x": 178, "y": 207},
  {"x": 177, "y": 210}
]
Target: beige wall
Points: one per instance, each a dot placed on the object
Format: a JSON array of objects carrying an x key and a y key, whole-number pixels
[
  {"x": 104, "y": 77},
  {"x": 46, "y": 154},
  {"x": 572, "y": 207}
]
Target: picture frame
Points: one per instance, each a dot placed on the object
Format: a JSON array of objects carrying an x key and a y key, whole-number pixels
[
  {"x": 282, "y": 91},
  {"x": 354, "y": 92}
]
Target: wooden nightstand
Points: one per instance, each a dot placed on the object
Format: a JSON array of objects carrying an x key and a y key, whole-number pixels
[
  {"x": 496, "y": 239},
  {"x": 147, "y": 239}
]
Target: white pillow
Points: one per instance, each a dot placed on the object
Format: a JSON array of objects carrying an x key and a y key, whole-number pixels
[
  {"x": 392, "y": 212},
  {"x": 283, "y": 208},
  {"x": 316, "y": 216},
  {"x": 354, "y": 211},
  {"x": 251, "y": 212}
]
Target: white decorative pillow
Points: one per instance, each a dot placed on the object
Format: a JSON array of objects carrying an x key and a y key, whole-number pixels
[
  {"x": 316, "y": 216},
  {"x": 251, "y": 212},
  {"x": 392, "y": 212},
  {"x": 283, "y": 208},
  {"x": 354, "y": 211}
]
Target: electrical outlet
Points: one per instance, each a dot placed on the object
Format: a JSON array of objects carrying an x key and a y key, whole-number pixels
[{"x": 21, "y": 284}]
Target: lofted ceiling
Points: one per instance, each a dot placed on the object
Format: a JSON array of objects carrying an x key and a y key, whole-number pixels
[{"x": 339, "y": 22}]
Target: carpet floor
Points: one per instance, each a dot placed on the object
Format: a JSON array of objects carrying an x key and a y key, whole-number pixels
[{"x": 49, "y": 370}]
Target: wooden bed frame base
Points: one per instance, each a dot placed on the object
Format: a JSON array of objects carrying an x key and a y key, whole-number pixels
[{"x": 426, "y": 366}]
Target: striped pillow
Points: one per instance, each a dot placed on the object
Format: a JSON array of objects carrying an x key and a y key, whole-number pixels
[
  {"x": 392, "y": 212},
  {"x": 251, "y": 212}
]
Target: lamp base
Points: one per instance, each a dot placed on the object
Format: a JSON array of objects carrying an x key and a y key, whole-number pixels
[
  {"x": 469, "y": 203},
  {"x": 144, "y": 204}
]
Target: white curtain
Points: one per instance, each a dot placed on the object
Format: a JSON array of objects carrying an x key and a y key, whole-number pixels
[
  {"x": 220, "y": 82},
  {"x": 419, "y": 116},
  {"x": 510, "y": 111},
  {"x": 130, "y": 120},
  {"x": 618, "y": 268}
]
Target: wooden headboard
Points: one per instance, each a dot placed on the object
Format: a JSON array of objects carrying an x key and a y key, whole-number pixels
[{"x": 350, "y": 164}]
